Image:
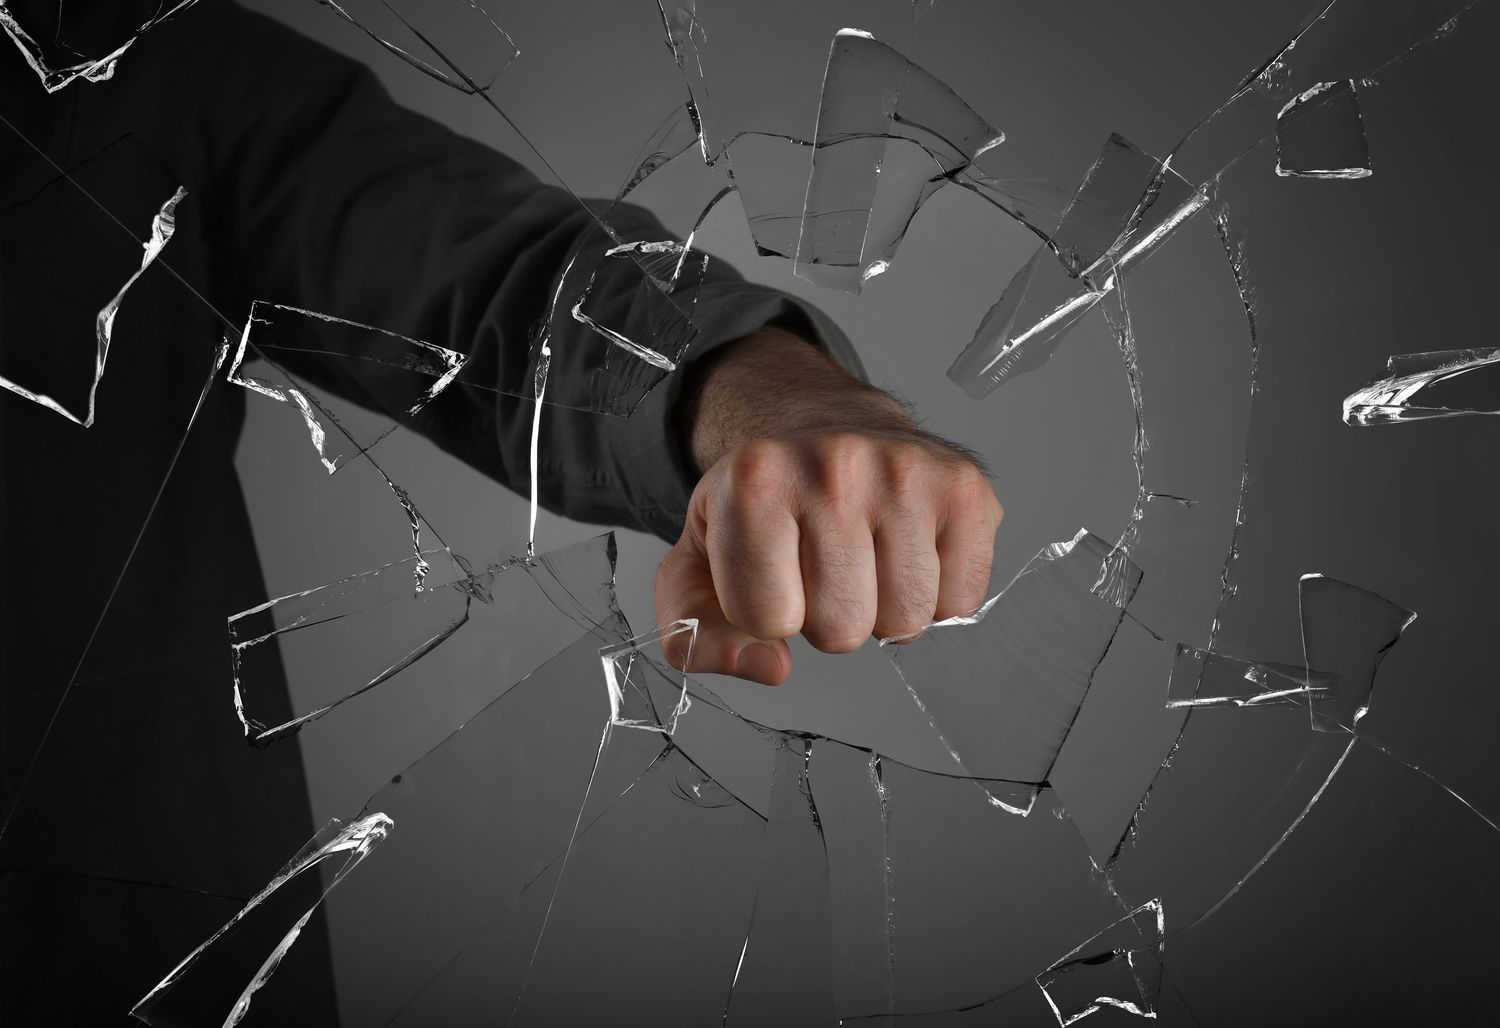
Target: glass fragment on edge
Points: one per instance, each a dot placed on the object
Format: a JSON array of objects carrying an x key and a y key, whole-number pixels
[
  {"x": 402, "y": 375},
  {"x": 163, "y": 225},
  {"x": 863, "y": 188},
  {"x": 469, "y": 37},
  {"x": 1201, "y": 678},
  {"x": 1002, "y": 686},
  {"x": 219, "y": 979},
  {"x": 792, "y": 913},
  {"x": 1238, "y": 781},
  {"x": 1314, "y": 116},
  {"x": 1320, "y": 134},
  {"x": 1127, "y": 206},
  {"x": 1024, "y": 327},
  {"x": 966, "y": 875},
  {"x": 627, "y": 674},
  {"x": 338, "y": 641},
  {"x": 59, "y": 70},
  {"x": 530, "y": 890},
  {"x": 1348, "y": 630},
  {"x": 464, "y": 55},
  {"x": 1418, "y": 386},
  {"x": 658, "y": 331},
  {"x": 1120, "y": 967},
  {"x": 370, "y": 626}
]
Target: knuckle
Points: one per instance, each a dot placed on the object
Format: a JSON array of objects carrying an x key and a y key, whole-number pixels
[
  {"x": 904, "y": 472},
  {"x": 755, "y": 469},
  {"x": 971, "y": 496},
  {"x": 838, "y": 466}
]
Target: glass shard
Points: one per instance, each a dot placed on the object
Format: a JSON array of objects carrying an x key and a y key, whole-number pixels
[
  {"x": 62, "y": 372},
  {"x": 854, "y": 811},
  {"x": 337, "y": 641},
  {"x": 1204, "y": 679},
  {"x": 965, "y": 876},
  {"x": 1003, "y": 685},
  {"x": 659, "y": 331},
  {"x": 629, "y": 674},
  {"x": 1024, "y": 327},
  {"x": 456, "y": 42},
  {"x": 862, "y": 192},
  {"x": 329, "y": 623},
  {"x": 539, "y": 821},
  {"x": 1116, "y": 191},
  {"x": 1347, "y": 630},
  {"x": 1120, "y": 967},
  {"x": 1127, "y": 206},
  {"x": 1320, "y": 134},
  {"x": 68, "y": 42},
  {"x": 217, "y": 982},
  {"x": 552, "y": 863},
  {"x": 404, "y": 374},
  {"x": 1417, "y": 386},
  {"x": 785, "y": 972},
  {"x": 1200, "y": 832}
]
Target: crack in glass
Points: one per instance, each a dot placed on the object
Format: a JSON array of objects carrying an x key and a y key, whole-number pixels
[{"x": 592, "y": 826}]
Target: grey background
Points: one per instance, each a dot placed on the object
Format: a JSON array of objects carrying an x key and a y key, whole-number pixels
[{"x": 1346, "y": 274}]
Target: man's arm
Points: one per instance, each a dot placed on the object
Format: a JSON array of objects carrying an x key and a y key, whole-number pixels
[{"x": 822, "y": 510}]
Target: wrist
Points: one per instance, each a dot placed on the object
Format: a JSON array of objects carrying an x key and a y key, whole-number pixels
[{"x": 774, "y": 382}]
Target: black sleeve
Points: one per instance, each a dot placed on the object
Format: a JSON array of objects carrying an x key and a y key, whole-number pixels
[{"x": 323, "y": 193}]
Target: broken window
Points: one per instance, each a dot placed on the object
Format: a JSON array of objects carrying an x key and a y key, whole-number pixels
[{"x": 1201, "y": 743}]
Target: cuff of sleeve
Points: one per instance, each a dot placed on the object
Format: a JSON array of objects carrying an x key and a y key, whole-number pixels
[{"x": 651, "y": 438}]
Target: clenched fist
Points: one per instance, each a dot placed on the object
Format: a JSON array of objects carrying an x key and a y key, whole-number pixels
[{"x": 821, "y": 510}]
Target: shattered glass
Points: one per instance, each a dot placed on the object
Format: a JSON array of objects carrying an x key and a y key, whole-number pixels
[
  {"x": 66, "y": 42},
  {"x": 1201, "y": 744},
  {"x": 67, "y": 383},
  {"x": 1428, "y": 385}
]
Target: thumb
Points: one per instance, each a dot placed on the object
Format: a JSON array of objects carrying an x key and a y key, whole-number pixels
[{"x": 685, "y": 589}]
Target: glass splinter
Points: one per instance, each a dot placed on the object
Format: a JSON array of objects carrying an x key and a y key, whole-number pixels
[
  {"x": 629, "y": 674},
  {"x": 1320, "y": 134},
  {"x": 370, "y": 625},
  {"x": 1128, "y": 205},
  {"x": 1347, "y": 630},
  {"x": 792, "y": 915},
  {"x": 162, "y": 227},
  {"x": 1003, "y": 685},
  {"x": 216, "y": 983},
  {"x": 669, "y": 269},
  {"x": 865, "y": 185},
  {"x": 1204, "y": 679},
  {"x": 59, "y": 70},
  {"x": 307, "y": 346},
  {"x": 1418, "y": 386},
  {"x": 1194, "y": 856},
  {"x": 1120, "y": 967},
  {"x": 341, "y": 640},
  {"x": 1024, "y": 327},
  {"x": 414, "y": 30}
]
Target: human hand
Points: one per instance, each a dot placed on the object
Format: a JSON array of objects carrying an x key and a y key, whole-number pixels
[{"x": 821, "y": 510}]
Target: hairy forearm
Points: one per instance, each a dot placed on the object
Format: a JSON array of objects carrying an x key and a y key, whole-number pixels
[{"x": 773, "y": 383}]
